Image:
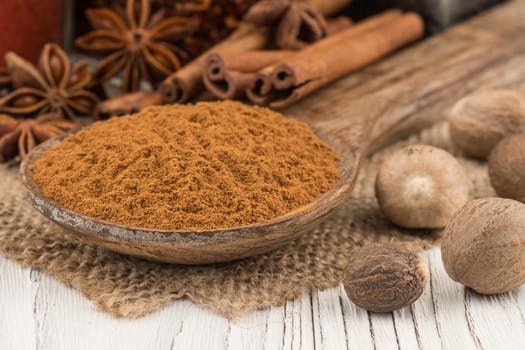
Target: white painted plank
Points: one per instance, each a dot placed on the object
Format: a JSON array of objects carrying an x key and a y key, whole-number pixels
[
  {"x": 424, "y": 320},
  {"x": 357, "y": 324},
  {"x": 405, "y": 329},
  {"x": 289, "y": 320},
  {"x": 298, "y": 326},
  {"x": 37, "y": 312},
  {"x": 317, "y": 327},
  {"x": 202, "y": 328},
  {"x": 248, "y": 331},
  {"x": 490, "y": 329},
  {"x": 518, "y": 295},
  {"x": 275, "y": 328},
  {"x": 69, "y": 317},
  {"x": 67, "y": 320},
  {"x": 290, "y": 327},
  {"x": 305, "y": 331},
  {"x": 331, "y": 330},
  {"x": 449, "y": 307},
  {"x": 384, "y": 333},
  {"x": 16, "y": 307}
]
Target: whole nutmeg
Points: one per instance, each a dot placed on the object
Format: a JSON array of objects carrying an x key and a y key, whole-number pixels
[
  {"x": 484, "y": 245},
  {"x": 482, "y": 119},
  {"x": 383, "y": 278},
  {"x": 421, "y": 186},
  {"x": 507, "y": 167}
]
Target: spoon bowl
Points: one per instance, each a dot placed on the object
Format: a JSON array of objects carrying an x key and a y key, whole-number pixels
[{"x": 184, "y": 247}]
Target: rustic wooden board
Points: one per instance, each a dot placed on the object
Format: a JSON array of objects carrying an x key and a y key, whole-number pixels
[{"x": 41, "y": 313}]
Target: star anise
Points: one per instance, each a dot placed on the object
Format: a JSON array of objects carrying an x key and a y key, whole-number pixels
[
  {"x": 296, "y": 22},
  {"x": 143, "y": 46},
  {"x": 217, "y": 18},
  {"x": 54, "y": 86},
  {"x": 20, "y": 136}
]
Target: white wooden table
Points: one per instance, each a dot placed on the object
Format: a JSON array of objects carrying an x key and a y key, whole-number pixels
[{"x": 37, "y": 312}]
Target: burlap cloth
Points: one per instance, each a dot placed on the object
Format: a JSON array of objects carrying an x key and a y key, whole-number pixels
[{"x": 130, "y": 287}]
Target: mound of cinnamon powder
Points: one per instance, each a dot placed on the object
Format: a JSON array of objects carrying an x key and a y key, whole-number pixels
[{"x": 189, "y": 167}]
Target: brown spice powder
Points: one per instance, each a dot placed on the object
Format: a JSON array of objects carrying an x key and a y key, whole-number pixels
[{"x": 189, "y": 167}]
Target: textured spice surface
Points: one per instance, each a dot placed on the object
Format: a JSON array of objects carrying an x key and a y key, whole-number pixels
[{"x": 189, "y": 167}]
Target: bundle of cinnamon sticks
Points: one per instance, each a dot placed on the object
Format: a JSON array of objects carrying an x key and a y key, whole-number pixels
[
  {"x": 294, "y": 17},
  {"x": 239, "y": 67},
  {"x": 295, "y": 76},
  {"x": 230, "y": 75}
]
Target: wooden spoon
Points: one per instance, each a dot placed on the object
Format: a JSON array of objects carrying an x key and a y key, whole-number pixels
[
  {"x": 349, "y": 135},
  {"x": 421, "y": 83}
]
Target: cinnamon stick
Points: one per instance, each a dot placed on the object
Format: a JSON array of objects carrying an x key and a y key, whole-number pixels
[
  {"x": 228, "y": 76},
  {"x": 261, "y": 81},
  {"x": 329, "y": 59},
  {"x": 296, "y": 23},
  {"x": 187, "y": 81}
]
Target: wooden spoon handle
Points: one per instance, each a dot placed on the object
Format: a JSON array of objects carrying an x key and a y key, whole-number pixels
[{"x": 411, "y": 104}]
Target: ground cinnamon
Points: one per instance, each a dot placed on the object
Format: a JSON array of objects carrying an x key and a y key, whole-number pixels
[{"x": 189, "y": 167}]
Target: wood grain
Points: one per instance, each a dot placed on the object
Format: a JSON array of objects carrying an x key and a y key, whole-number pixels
[{"x": 41, "y": 313}]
